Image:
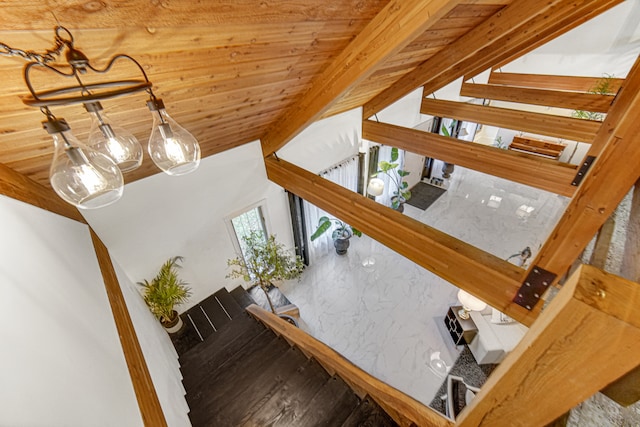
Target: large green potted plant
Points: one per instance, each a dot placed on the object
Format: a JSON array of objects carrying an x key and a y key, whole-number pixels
[
  {"x": 402, "y": 193},
  {"x": 266, "y": 261},
  {"x": 341, "y": 234},
  {"x": 164, "y": 292}
]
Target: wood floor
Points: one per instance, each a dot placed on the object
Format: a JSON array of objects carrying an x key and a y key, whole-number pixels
[{"x": 238, "y": 373}]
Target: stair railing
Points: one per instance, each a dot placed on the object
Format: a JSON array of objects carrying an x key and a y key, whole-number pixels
[{"x": 405, "y": 410}]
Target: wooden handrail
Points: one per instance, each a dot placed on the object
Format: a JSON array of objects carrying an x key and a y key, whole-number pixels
[{"x": 403, "y": 409}]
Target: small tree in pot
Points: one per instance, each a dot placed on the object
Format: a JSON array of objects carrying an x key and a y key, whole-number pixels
[
  {"x": 164, "y": 292},
  {"x": 341, "y": 234},
  {"x": 265, "y": 261}
]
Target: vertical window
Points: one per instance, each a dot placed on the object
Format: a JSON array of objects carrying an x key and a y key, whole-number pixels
[{"x": 247, "y": 222}]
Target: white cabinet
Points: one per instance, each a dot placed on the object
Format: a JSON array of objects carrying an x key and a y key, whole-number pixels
[{"x": 494, "y": 340}]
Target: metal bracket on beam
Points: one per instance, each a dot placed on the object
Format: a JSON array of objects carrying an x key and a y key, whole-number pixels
[
  {"x": 583, "y": 170},
  {"x": 534, "y": 287}
]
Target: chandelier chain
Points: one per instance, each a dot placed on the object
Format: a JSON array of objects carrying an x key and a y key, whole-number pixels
[{"x": 28, "y": 55}]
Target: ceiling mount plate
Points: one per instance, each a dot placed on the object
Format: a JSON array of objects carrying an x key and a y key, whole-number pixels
[
  {"x": 584, "y": 168},
  {"x": 534, "y": 286}
]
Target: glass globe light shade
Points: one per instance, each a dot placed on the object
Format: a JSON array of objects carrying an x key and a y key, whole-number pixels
[
  {"x": 469, "y": 303},
  {"x": 375, "y": 187},
  {"x": 80, "y": 175},
  {"x": 112, "y": 140},
  {"x": 171, "y": 147}
]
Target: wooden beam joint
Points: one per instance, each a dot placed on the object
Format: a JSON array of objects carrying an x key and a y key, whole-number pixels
[{"x": 533, "y": 287}]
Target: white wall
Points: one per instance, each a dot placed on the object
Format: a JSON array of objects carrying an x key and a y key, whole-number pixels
[
  {"x": 159, "y": 354},
  {"x": 163, "y": 216},
  {"x": 326, "y": 142},
  {"x": 61, "y": 362}
]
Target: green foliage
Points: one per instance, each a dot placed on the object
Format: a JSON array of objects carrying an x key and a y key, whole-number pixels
[
  {"x": 498, "y": 143},
  {"x": 402, "y": 192},
  {"x": 266, "y": 261},
  {"x": 603, "y": 86},
  {"x": 166, "y": 290},
  {"x": 342, "y": 231}
]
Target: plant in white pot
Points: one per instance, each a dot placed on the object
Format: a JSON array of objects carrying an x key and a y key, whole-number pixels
[
  {"x": 266, "y": 261},
  {"x": 164, "y": 292},
  {"x": 341, "y": 234}
]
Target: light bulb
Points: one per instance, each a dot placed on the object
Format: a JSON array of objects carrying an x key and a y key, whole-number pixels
[
  {"x": 112, "y": 140},
  {"x": 375, "y": 187},
  {"x": 80, "y": 175},
  {"x": 171, "y": 147}
]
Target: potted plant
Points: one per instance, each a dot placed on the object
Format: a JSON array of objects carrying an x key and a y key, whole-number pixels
[
  {"x": 402, "y": 193},
  {"x": 341, "y": 234},
  {"x": 164, "y": 292},
  {"x": 265, "y": 261}
]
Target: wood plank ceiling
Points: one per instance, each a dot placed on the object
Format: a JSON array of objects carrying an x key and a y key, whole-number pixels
[{"x": 227, "y": 70}]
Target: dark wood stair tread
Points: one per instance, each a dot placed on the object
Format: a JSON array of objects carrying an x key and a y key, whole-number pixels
[
  {"x": 242, "y": 297},
  {"x": 331, "y": 405},
  {"x": 246, "y": 363},
  {"x": 246, "y": 397},
  {"x": 215, "y": 312},
  {"x": 186, "y": 338},
  {"x": 369, "y": 414},
  {"x": 291, "y": 399},
  {"x": 199, "y": 319},
  {"x": 218, "y": 349},
  {"x": 229, "y": 304}
]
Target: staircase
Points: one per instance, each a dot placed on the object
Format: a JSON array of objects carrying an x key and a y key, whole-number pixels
[{"x": 236, "y": 372}]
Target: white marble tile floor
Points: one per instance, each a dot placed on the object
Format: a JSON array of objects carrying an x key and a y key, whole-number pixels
[{"x": 388, "y": 318}]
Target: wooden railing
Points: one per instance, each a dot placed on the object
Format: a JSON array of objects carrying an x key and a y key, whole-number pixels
[{"x": 405, "y": 410}]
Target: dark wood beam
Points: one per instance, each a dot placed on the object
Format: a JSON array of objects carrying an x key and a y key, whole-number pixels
[
  {"x": 588, "y": 336},
  {"x": 17, "y": 186},
  {"x": 490, "y": 278},
  {"x": 545, "y": 81},
  {"x": 525, "y": 121},
  {"x": 609, "y": 179},
  {"x": 544, "y": 97},
  {"x": 510, "y": 30},
  {"x": 526, "y": 169},
  {"x": 148, "y": 402},
  {"x": 397, "y": 25}
]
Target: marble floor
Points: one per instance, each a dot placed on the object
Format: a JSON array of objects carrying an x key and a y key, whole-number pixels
[{"x": 388, "y": 318}]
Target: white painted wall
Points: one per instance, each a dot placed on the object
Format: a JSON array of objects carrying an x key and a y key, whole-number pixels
[
  {"x": 326, "y": 142},
  {"x": 163, "y": 216},
  {"x": 61, "y": 362},
  {"x": 159, "y": 354}
]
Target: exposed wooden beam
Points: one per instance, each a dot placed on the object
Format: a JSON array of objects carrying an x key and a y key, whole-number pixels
[
  {"x": 397, "y": 25},
  {"x": 545, "y": 81},
  {"x": 148, "y": 402},
  {"x": 510, "y": 30},
  {"x": 526, "y": 169},
  {"x": 547, "y": 98},
  {"x": 605, "y": 184},
  {"x": 588, "y": 336},
  {"x": 543, "y": 124},
  {"x": 490, "y": 278},
  {"x": 17, "y": 186}
]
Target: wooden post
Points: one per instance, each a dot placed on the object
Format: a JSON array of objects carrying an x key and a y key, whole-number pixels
[
  {"x": 148, "y": 403},
  {"x": 588, "y": 336}
]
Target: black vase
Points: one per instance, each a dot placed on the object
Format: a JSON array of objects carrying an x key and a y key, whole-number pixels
[{"x": 341, "y": 246}]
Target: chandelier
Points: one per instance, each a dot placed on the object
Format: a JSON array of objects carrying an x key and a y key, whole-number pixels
[{"x": 89, "y": 175}]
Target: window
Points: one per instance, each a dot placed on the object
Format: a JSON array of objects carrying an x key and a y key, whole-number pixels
[{"x": 243, "y": 224}]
